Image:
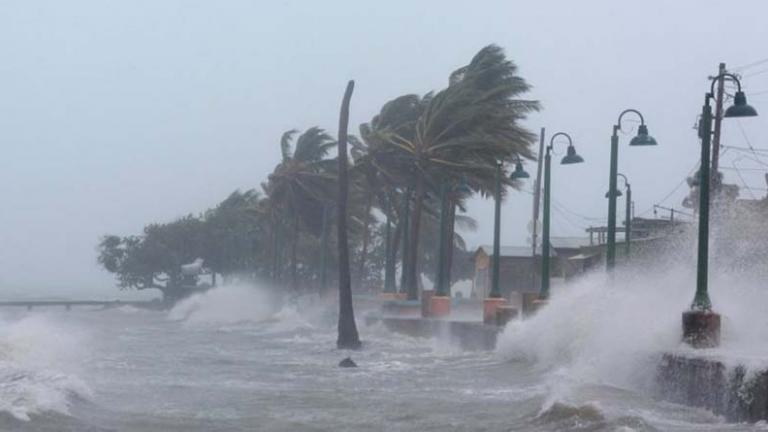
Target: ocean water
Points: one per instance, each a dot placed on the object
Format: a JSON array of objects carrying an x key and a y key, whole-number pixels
[{"x": 237, "y": 359}]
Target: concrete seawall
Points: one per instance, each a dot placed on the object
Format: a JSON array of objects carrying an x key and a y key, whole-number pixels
[{"x": 734, "y": 392}]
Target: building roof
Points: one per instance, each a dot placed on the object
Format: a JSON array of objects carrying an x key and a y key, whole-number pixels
[
  {"x": 512, "y": 251},
  {"x": 569, "y": 242}
]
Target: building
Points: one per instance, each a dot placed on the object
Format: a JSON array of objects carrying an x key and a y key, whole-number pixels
[{"x": 519, "y": 270}]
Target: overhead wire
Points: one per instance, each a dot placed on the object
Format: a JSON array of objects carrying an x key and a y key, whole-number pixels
[{"x": 750, "y": 65}]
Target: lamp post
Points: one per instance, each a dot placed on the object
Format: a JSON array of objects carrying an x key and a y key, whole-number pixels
[
  {"x": 642, "y": 139},
  {"x": 494, "y": 299},
  {"x": 701, "y": 325},
  {"x": 627, "y": 214},
  {"x": 440, "y": 305},
  {"x": 627, "y": 217},
  {"x": 570, "y": 158}
]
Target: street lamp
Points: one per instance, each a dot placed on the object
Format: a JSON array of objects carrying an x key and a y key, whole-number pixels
[
  {"x": 495, "y": 299},
  {"x": 440, "y": 304},
  {"x": 570, "y": 158},
  {"x": 628, "y": 213},
  {"x": 701, "y": 326},
  {"x": 641, "y": 139}
]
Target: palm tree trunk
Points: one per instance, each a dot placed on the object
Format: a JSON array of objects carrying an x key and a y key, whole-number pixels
[
  {"x": 412, "y": 270},
  {"x": 294, "y": 254},
  {"x": 275, "y": 251},
  {"x": 405, "y": 229},
  {"x": 391, "y": 252},
  {"x": 348, "y": 337},
  {"x": 364, "y": 251},
  {"x": 449, "y": 243}
]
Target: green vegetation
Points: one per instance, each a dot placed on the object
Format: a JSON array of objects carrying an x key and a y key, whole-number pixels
[{"x": 405, "y": 153}]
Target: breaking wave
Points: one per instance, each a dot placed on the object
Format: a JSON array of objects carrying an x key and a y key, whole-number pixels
[
  {"x": 38, "y": 360},
  {"x": 227, "y": 304}
]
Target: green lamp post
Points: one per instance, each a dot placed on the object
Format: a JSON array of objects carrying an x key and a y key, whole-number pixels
[
  {"x": 518, "y": 173},
  {"x": 627, "y": 213},
  {"x": 495, "y": 291},
  {"x": 570, "y": 158},
  {"x": 495, "y": 299},
  {"x": 701, "y": 326},
  {"x": 641, "y": 139}
]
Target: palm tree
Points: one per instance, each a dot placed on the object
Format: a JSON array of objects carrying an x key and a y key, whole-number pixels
[
  {"x": 348, "y": 337},
  {"x": 463, "y": 131},
  {"x": 234, "y": 235},
  {"x": 300, "y": 185}
]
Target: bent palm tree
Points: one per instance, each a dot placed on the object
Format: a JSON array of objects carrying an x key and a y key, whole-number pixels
[
  {"x": 462, "y": 131},
  {"x": 300, "y": 185}
]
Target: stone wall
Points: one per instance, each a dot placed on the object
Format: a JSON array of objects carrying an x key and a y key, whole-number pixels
[{"x": 708, "y": 383}]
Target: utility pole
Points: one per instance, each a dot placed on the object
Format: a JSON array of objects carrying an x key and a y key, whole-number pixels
[{"x": 718, "y": 122}]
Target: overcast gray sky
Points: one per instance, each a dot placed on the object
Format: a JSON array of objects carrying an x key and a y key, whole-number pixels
[{"x": 116, "y": 114}]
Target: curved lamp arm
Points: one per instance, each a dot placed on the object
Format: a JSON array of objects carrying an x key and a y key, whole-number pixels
[
  {"x": 552, "y": 140},
  {"x": 627, "y": 111},
  {"x": 626, "y": 182},
  {"x": 723, "y": 75}
]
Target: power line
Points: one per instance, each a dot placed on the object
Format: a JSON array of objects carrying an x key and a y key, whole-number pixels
[
  {"x": 749, "y": 65},
  {"x": 744, "y": 169},
  {"x": 747, "y": 149},
  {"x": 666, "y": 197},
  {"x": 760, "y": 72},
  {"x": 746, "y": 138}
]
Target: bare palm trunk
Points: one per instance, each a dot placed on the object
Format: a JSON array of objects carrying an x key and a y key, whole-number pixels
[
  {"x": 294, "y": 255},
  {"x": 449, "y": 243},
  {"x": 275, "y": 251},
  {"x": 348, "y": 337},
  {"x": 412, "y": 270},
  {"x": 361, "y": 273}
]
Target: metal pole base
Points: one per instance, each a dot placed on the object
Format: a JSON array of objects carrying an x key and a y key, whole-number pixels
[
  {"x": 440, "y": 307},
  {"x": 490, "y": 305},
  {"x": 701, "y": 329}
]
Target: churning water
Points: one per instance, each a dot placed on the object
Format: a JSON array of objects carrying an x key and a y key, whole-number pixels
[{"x": 237, "y": 359}]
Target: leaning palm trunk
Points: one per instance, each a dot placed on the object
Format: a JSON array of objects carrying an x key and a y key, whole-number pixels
[
  {"x": 348, "y": 337},
  {"x": 412, "y": 270}
]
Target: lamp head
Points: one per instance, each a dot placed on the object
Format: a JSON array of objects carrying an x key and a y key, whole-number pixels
[
  {"x": 740, "y": 107},
  {"x": 571, "y": 157},
  {"x": 618, "y": 193},
  {"x": 642, "y": 138},
  {"x": 519, "y": 172}
]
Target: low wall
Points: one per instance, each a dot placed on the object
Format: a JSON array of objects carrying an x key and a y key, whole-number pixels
[
  {"x": 733, "y": 392},
  {"x": 468, "y": 335}
]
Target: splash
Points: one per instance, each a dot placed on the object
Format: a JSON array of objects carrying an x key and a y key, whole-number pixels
[
  {"x": 227, "y": 304},
  {"x": 613, "y": 331},
  {"x": 37, "y": 360}
]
